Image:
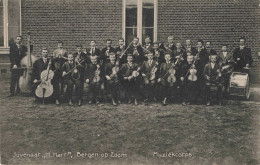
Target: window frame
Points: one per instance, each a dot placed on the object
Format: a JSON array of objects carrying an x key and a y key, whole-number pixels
[
  {"x": 6, "y": 48},
  {"x": 139, "y": 20}
]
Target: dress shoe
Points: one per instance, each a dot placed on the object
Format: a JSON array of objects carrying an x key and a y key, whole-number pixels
[
  {"x": 119, "y": 102},
  {"x": 57, "y": 102},
  {"x": 11, "y": 95},
  {"x": 79, "y": 103},
  {"x": 129, "y": 101},
  {"x": 70, "y": 103},
  {"x": 136, "y": 102},
  {"x": 90, "y": 102},
  {"x": 208, "y": 103},
  {"x": 97, "y": 102},
  {"x": 184, "y": 103},
  {"x": 164, "y": 102}
]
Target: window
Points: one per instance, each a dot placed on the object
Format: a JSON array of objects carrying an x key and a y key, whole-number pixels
[
  {"x": 10, "y": 22},
  {"x": 139, "y": 19}
]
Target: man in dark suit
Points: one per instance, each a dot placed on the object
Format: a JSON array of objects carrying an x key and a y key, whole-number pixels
[
  {"x": 110, "y": 73},
  {"x": 128, "y": 80},
  {"x": 146, "y": 72},
  {"x": 106, "y": 51},
  {"x": 170, "y": 45},
  {"x": 148, "y": 45},
  {"x": 158, "y": 53},
  {"x": 41, "y": 65},
  {"x": 212, "y": 74},
  {"x": 179, "y": 52},
  {"x": 227, "y": 66},
  {"x": 119, "y": 50},
  {"x": 242, "y": 56},
  {"x": 93, "y": 77},
  {"x": 81, "y": 56},
  {"x": 189, "y": 48},
  {"x": 166, "y": 89},
  {"x": 17, "y": 52},
  {"x": 137, "y": 51},
  {"x": 208, "y": 50}
]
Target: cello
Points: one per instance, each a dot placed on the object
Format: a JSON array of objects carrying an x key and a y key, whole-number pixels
[
  {"x": 45, "y": 88},
  {"x": 25, "y": 82}
]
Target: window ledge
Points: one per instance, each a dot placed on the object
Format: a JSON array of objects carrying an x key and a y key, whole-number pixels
[{"x": 4, "y": 51}]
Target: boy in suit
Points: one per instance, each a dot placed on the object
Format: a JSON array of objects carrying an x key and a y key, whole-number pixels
[
  {"x": 146, "y": 72},
  {"x": 136, "y": 51},
  {"x": 106, "y": 51},
  {"x": 212, "y": 74},
  {"x": 129, "y": 75},
  {"x": 93, "y": 77},
  {"x": 69, "y": 70}
]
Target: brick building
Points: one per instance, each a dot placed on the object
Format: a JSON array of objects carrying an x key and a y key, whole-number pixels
[{"x": 79, "y": 21}]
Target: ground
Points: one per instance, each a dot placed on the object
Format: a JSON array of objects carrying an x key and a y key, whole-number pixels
[{"x": 196, "y": 134}]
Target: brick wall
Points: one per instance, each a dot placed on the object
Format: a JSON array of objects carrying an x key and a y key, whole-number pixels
[
  {"x": 79, "y": 21},
  {"x": 72, "y": 21},
  {"x": 214, "y": 20}
]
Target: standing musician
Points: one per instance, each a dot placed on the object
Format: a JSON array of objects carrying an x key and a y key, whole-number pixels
[
  {"x": 189, "y": 48},
  {"x": 170, "y": 45},
  {"x": 158, "y": 53},
  {"x": 106, "y": 51},
  {"x": 72, "y": 72},
  {"x": 60, "y": 51},
  {"x": 179, "y": 52},
  {"x": 93, "y": 77},
  {"x": 148, "y": 44},
  {"x": 212, "y": 74},
  {"x": 80, "y": 55},
  {"x": 110, "y": 72},
  {"x": 129, "y": 75},
  {"x": 242, "y": 56},
  {"x": 119, "y": 50},
  {"x": 17, "y": 52},
  {"x": 166, "y": 87},
  {"x": 227, "y": 66},
  {"x": 136, "y": 51},
  {"x": 208, "y": 49},
  {"x": 58, "y": 60},
  {"x": 189, "y": 79},
  {"x": 149, "y": 74},
  {"x": 93, "y": 50},
  {"x": 40, "y": 65}
]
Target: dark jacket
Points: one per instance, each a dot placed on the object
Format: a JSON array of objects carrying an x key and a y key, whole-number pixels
[
  {"x": 242, "y": 57},
  {"x": 17, "y": 54},
  {"x": 38, "y": 67}
]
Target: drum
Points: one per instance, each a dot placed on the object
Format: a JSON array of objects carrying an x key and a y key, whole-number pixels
[{"x": 239, "y": 85}]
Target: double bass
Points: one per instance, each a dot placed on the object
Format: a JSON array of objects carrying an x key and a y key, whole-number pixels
[{"x": 25, "y": 80}]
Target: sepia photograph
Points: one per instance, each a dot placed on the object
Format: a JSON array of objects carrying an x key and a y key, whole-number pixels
[{"x": 130, "y": 82}]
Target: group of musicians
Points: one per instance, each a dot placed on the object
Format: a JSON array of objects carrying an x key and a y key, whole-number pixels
[{"x": 153, "y": 72}]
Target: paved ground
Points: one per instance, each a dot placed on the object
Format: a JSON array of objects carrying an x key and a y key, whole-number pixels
[{"x": 191, "y": 135}]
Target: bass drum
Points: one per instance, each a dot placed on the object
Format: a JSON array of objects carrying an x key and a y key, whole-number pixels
[{"x": 239, "y": 85}]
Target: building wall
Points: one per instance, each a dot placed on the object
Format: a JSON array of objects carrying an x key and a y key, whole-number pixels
[
  {"x": 79, "y": 21},
  {"x": 72, "y": 21},
  {"x": 218, "y": 21}
]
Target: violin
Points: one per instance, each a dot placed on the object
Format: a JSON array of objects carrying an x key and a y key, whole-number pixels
[
  {"x": 171, "y": 78},
  {"x": 136, "y": 72},
  {"x": 45, "y": 88},
  {"x": 153, "y": 71},
  {"x": 115, "y": 70},
  {"x": 193, "y": 76},
  {"x": 97, "y": 75}
]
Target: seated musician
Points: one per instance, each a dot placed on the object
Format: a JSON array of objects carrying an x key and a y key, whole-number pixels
[
  {"x": 60, "y": 51},
  {"x": 242, "y": 56},
  {"x": 40, "y": 65},
  {"x": 189, "y": 48},
  {"x": 128, "y": 74},
  {"x": 227, "y": 64},
  {"x": 105, "y": 51},
  {"x": 212, "y": 74},
  {"x": 137, "y": 51},
  {"x": 188, "y": 79},
  {"x": 148, "y": 71},
  {"x": 93, "y": 78},
  {"x": 110, "y": 72},
  {"x": 72, "y": 71},
  {"x": 119, "y": 50},
  {"x": 166, "y": 87},
  {"x": 158, "y": 53}
]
